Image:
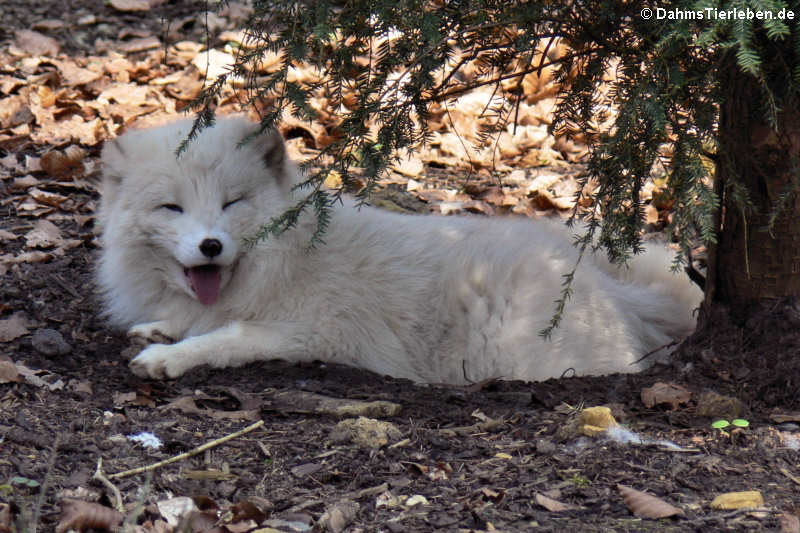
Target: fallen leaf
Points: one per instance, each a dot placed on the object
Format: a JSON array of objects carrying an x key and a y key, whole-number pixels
[
  {"x": 139, "y": 45},
  {"x": 48, "y": 24},
  {"x": 64, "y": 165},
  {"x": 665, "y": 393},
  {"x": 738, "y": 500},
  {"x": 789, "y": 523},
  {"x": 44, "y": 234},
  {"x": 306, "y": 469},
  {"x": 130, "y": 5},
  {"x": 9, "y": 374},
  {"x": 552, "y": 505},
  {"x": 47, "y": 198},
  {"x": 14, "y": 327},
  {"x": 36, "y": 44},
  {"x": 645, "y": 505},
  {"x": 174, "y": 509},
  {"x": 79, "y": 515}
]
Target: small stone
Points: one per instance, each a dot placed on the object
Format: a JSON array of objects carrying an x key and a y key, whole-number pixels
[{"x": 50, "y": 342}]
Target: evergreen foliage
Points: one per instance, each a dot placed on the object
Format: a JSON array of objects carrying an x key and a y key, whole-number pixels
[{"x": 398, "y": 57}]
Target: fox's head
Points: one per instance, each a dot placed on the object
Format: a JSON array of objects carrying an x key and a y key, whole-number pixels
[{"x": 191, "y": 212}]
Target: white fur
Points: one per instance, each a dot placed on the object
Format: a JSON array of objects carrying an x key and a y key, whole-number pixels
[{"x": 432, "y": 299}]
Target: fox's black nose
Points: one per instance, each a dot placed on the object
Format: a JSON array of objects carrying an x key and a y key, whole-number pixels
[{"x": 211, "y": 247}]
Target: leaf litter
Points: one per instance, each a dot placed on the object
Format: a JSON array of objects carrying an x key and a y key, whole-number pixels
[{"x": 438, "y": 469}]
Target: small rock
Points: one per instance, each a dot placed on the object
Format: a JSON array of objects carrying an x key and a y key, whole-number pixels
[{"x": 50, "y": 342}]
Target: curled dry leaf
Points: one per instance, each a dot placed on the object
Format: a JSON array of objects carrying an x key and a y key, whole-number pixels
[
  {"x": 66, "y": 164},
  {"x": 553, "y": 505},
  {"x": 79, "y": 515},
  {"x": 646, "y": 505},
  {"x": 665, "y": 393}
]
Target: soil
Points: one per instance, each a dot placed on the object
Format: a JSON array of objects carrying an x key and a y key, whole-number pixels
[{"x": 475, "y": 458}]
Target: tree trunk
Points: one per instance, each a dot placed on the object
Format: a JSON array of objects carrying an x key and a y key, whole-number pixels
[{"x": 757, "y": 258}]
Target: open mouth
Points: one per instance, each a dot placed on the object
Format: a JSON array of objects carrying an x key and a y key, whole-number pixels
[{"x": 205, "y": 281}]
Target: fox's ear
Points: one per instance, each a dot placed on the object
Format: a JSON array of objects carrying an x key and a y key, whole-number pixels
[
  {"x": 275, "y": 156},
  {"x": 113, "y": 157}
]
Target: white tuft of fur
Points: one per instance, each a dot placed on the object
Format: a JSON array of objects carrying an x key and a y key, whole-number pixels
[{"x": 431, "y": 299}]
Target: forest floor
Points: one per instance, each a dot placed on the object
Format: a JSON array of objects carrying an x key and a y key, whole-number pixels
[{"x": 494, "y": 456}]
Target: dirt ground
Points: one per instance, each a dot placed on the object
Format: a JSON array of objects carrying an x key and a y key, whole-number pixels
[{"x": 496, "y": 456}]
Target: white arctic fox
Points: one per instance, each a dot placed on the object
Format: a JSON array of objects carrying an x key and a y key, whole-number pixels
[{"x": 428, "y": 298}]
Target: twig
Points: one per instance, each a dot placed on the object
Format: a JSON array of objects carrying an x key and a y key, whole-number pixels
[
  {"x": 662, "y": 347},
  {"x": 99, "y": 476},
  {"x": 190, "y": 453}
]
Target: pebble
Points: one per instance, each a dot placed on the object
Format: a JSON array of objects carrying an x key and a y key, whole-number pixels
[{"x": 50, "y": 342}]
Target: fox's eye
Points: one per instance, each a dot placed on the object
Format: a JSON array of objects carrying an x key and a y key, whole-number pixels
[
  {"x": 226, "y": 205},
  {"x": 173, "y": 207}
]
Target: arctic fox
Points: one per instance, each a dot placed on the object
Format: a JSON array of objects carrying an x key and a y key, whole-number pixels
[{"x": 428, "y": 298}]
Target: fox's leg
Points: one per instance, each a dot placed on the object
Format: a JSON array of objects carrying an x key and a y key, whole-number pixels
[
  {"x": 161, "y": 331},
  {"x": 232, "y": 345}
]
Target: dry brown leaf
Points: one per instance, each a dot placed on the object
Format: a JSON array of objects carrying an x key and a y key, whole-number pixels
[
  {"x": 44, "y": 234},
  {"x": 47, "y": 198},
  {"x": 64, "y": 165},
  {"x": 81, "y": 386},
  {"x": 130, "y": 5},
  {"x": 187, "y": 404},
  {"x": 789, "y": 523},
  {"x": 35, "y": 256},
  {"x": 121, "y": 398},
  {"x": 645, "y": 505},
  {"x": 124, "y": 93},
  {"x": 665, "y": 393},
  {"x": 36, "y": 44},
  {"x": 48, "y": 25},
  {"x": 552, "y": 505},
  {"x": 14, "y": 327},
  {"x": 139, "y": 45},
  {"x": 79, "y": 515},
  {"x": 25, "y": 182},
  {"x": 9, "y": 374},
  {"x": 72, "y": 75}
]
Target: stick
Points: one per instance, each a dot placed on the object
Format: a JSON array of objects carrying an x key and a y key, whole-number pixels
[
  {"x": 99, "y": 476},
  {"x": 190, "y": 453}
]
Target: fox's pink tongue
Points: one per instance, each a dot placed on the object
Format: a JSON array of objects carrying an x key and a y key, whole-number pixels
[{"x": 205, "y": 281}]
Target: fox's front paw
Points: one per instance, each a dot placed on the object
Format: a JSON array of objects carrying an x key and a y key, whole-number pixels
[
  {"x": 158, "y": 361},
  {"x": 151, "y": 333}
]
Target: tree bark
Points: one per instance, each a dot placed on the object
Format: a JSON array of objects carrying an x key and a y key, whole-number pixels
[{"x": 757, "y": 257}]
